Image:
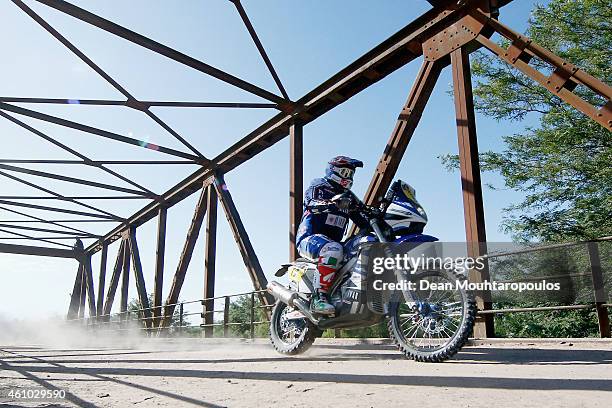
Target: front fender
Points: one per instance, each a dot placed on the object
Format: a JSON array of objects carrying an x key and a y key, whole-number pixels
[{"x": 416, "y": 238}]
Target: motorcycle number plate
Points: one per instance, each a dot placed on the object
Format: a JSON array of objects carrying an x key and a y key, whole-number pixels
[{"x": 295, "y": 273}]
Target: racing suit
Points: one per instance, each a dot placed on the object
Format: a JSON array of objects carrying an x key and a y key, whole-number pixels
[{"x": 321, "y": 230}]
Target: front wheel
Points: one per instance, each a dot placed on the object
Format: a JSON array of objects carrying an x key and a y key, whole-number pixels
[
  {"x": 291, "y": 335},
  {"x": 433, "y": 325}
]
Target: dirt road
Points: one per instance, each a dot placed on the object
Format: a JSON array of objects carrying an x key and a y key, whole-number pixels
[{"x": 332, "y": 373}]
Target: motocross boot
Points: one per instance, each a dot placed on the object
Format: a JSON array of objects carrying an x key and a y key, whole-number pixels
[{"x": 320, "y": 304}]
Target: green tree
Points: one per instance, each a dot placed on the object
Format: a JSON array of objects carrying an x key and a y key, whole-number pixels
[
  {"x": 563, "y": 163},
  {"x": 558, "y": 323},
  {"x": 240, "y": 312}
]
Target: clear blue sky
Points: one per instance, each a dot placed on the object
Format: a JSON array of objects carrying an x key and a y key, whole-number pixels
[{"x": 306, "y": 41}]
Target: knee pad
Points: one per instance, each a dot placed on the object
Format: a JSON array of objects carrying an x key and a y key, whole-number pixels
[
  {"x": 310, "y": 246},
  {"x": 331, "y": 255}
]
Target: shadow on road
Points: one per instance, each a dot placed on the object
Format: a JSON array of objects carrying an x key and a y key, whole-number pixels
[
  {"x": 477, "y": 355},
  {"x": 412, "y": 380},
  {"x": 471, "y": 355},
  {"x": 35, "y": 367},
  {"x": 27, "y": 372}
]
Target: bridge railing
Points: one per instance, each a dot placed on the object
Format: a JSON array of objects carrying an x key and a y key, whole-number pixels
[
  {"x": 600, "y": 303},
  {"x": 133, "y": 319},
  {"x": 213, "y": 326}
]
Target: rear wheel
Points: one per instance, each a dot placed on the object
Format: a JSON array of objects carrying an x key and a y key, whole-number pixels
[
  {"x": 433, "y": 325},
  {"x": 291, "y": 335}
]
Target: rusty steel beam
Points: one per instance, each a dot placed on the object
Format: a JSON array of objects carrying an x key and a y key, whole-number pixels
[
  {"x": 445, "y": 3},
  {"x": 210, "y": 253},
  {"x": 102, "y": 280},
  {"x": 86, "y": 160},
  {"x": 436, "y": 50},
  {"x": 50, "y": 221},
  {"x": 185, "y": 257},
  {"x": 239, "y": 105},
  {"x": 44, "y": 237},
  {"x": 599, "y": 289},
  {"x": 390, "y": 55},
  {"x": 242, "y": 239},
  {"x": 94, "y": 163},
  {"x": 48, "y": 191},
  {"x": 125, "y": 279},
  {"x": 75, "y": 296},
  {"x": 114, "y": 282},
  {"x": 159, "y": 265},
  {"x": 141, "y": 288},
  {"x": 405, "y": 126},
  {"x": 89, "y": 285},
  {"x": 72, "y": 198},
  {"x": 564, "y": 77},
  {"x": 98, "y": 132},
  {"x": 260, "y": 47},
  {"x": 83, "y": 294},
  {"x": 28, "y": 237},
  {"x": 296, "y": 184},
  {"x": 107, "y": 102},
  {"x": 72, "y": 234},
  {"x": 129, "y": 35},
  {"x": 34, "y": 219},
  {"x": 38, "y": 251},
  {"x": 473, "y": 209}
]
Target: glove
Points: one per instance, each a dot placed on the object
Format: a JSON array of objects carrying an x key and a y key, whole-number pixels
[{"x": 342, "y": 202}]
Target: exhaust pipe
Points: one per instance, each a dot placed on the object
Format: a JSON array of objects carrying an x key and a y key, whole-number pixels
[
  {"x": 287, "y": 296},
  {"x": 291, "y": 298}
]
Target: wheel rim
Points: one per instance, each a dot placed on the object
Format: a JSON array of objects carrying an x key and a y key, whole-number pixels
[
  {"x": 432, "y": 318},
  {"x": 289, "y": 330}
]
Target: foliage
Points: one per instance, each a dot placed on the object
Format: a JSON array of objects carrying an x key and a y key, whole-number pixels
[
  {"x": 562, "y": 164},
  {"x": 558, "y": 323},
  {"x": 240, "y": 312}
]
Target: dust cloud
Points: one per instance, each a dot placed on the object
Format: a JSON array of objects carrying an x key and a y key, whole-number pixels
[{"x": 57, "y": 333}]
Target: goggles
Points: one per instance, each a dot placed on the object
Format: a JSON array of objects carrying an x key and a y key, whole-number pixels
[{"x": 344, "y": 172}]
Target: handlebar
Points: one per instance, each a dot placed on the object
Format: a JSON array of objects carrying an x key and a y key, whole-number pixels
[{"x": 374, "y": 212}]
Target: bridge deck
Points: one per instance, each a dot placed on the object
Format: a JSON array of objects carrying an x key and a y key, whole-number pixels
[{"x": 339, "y": 373}]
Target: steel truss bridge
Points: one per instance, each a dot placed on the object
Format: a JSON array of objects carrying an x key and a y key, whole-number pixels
[{"x": 441, "y": 37}]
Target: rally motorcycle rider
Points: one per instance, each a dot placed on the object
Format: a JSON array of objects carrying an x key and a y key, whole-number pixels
[{"x": 323, "y": 224}]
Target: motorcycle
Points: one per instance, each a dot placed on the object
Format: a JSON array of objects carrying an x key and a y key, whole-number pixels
[{"x": 426, "y": 325}]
